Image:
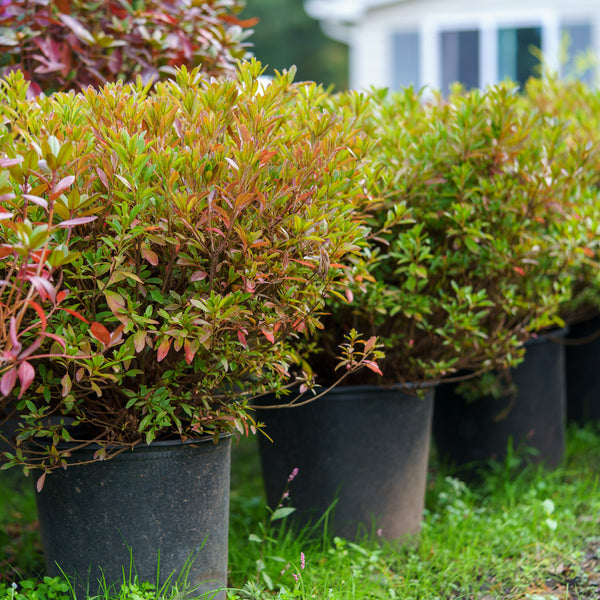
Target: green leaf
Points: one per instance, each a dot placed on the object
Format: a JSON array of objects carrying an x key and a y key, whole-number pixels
[{"x": 282, "y": 512}]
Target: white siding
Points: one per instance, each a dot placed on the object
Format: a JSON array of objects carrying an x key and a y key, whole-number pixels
[{"x": 371, "y": 52}]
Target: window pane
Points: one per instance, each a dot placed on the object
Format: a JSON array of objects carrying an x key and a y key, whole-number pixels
[
  {"x": 406, "y": 61},
  {"x": 515, "y": 59},
  {"x": 578, "y": 41},
  {"x": 459, "y": 58}
]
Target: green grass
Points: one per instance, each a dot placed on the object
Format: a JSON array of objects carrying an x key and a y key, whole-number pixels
[{"x": 522, "y": 533}]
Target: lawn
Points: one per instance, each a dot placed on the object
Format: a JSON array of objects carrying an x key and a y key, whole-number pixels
[{"x": 516, "y": 533}]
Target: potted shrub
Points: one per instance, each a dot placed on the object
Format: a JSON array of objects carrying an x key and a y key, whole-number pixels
[
  {"x": 205, "y": 221},
  {"x": 65, "y": 45},
  {"x": 575, "y": 104},
  {"x": 470, "y": 253}
]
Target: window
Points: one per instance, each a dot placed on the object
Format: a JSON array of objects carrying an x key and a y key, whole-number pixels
[
  {"x": 459, "y": 58},
  {"x": 577, "y": 39},
  {"x": 407, "y": 61},
  {"x": 486, "y": 47},
  {"x": 516, "y": 53}
]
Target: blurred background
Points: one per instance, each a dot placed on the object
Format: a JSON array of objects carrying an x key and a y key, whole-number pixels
[{"x": 285, "y": 35}]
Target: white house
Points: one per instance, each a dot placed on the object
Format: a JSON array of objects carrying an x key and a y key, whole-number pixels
[{"x": 394, "y": 43}]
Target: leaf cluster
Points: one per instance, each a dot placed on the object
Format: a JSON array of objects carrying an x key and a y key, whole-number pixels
[
  {"x": 476, "y": 236},
  {"x": 70, "y": 44},
  {"x": 194, "y": 229}
]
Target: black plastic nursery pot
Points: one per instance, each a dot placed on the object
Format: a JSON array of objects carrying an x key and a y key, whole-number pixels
[
  {"x": 364, "y": 447},
  {"x": 468, "y": 432},
  {"x": 166, "y": 502},
  {"x": 582, "y": 360}
]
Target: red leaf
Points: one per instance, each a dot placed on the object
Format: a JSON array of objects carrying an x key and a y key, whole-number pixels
[
  {"x": 40, "y": 311},
  {"x": 163, "y": 349},
  {"x": 40, "y": 482},
  {"x": 77, "y": 221},
  {"x": 7, "y": 383},
  {"x": 5, "y": 250},
  {"x": 100, "y": 333},
  {"x": 349, "y": 294},
  {"x": 75, "y": 314},
  {"x": 61, "y": 296},
  {"x": 26, "y": 375},
  {"x": 242, "y": 338},
  {"x": 519, "y": 270}
]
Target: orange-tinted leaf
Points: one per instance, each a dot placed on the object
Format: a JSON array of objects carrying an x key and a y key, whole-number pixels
[
  {"x": 251, "y": 22},
  {"x": 588, "y": 252},
  {"x": 519, "y": 270},
  {"x": 150, "y": 256},
  {"x": 269, "y": 335},
  {"x": 115, "y": 302},
  {"x": 373, "y": 366},
  {"x": 163, "y": 350},
  {"x": 100, "y": 333},
  {"x": 139, "y": 340},
  {"x": 40, "y": 482},
  {"x": 189, "y": 352}
]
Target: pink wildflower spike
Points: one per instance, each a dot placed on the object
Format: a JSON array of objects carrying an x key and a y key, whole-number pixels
[
  {"x": 295, "y": 575},
  {"x": 379, "y": 532},
  {"x": 286, "y": 495},
  {"x": 302, "y": 560},
  {"x": 293, "y": 475}
]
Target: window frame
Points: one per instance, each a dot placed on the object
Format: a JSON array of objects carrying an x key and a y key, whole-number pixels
[{"x": 488, "y": 24}]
